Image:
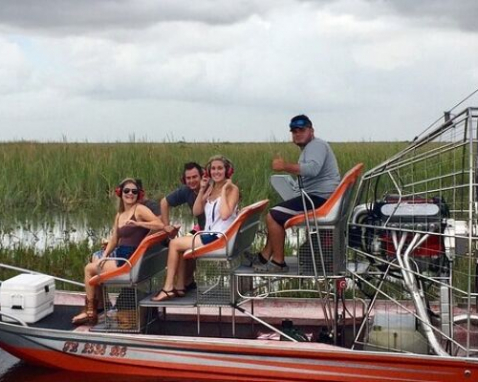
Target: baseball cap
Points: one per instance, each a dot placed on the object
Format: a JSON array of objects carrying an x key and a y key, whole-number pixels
[{"x": 300, "y": 122}]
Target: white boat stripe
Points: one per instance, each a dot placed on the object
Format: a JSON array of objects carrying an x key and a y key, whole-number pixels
[
  {"x": 305, "y": 362},
  {"x": 287, "y": 211},
  {"x": 206, "y": 357},
  {"x": 199, "y": 358}
]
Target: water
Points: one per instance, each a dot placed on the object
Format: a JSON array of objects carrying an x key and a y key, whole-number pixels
[
  {"x": 42, "y": 232},
  {"x": 45, "y": 233}
]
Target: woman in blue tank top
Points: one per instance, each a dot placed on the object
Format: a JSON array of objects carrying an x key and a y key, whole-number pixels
[{"x": 217, "y": 199}]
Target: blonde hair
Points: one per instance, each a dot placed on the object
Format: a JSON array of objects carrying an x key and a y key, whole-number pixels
[{"x": 227, "y": 164}]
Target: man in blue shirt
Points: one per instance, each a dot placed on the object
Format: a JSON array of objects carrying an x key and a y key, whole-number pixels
[
  {"x": 185, "y": 194},
  {"x": 320, "y": 177}
]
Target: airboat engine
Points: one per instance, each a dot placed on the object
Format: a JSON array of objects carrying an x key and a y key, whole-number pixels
[
  {"x": 417, "y": 235},
  {"x": 378, "y": 230}
]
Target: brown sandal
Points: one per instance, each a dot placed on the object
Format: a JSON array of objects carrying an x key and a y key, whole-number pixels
[
  {"x": 91, "y": 315},
  {"x": 168, "y": 295},
  {"x": 180, "y": 292}
]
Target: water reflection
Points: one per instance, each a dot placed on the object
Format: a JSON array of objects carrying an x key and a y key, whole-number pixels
[
  {"x": 52, "y": 231},
  {"x": 47, "y": 231},
  {"x": 43, "y": 232}
]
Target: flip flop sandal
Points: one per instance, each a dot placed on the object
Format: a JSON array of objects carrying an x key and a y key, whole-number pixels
[{"x": 168, "y": 295}]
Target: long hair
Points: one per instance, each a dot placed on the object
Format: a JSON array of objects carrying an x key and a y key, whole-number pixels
[
  {"x": 227, "y": 165},
  {"x": 119, "y": 192}
]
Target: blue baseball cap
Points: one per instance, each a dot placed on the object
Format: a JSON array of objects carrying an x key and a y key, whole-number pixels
[{"x": 300, "y": 122}]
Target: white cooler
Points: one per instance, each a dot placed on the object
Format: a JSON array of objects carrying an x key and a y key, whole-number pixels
[{"x": 28, "y": 297}]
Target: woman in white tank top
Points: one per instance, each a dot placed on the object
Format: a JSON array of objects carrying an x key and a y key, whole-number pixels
[{"x": 217, "y": 199}]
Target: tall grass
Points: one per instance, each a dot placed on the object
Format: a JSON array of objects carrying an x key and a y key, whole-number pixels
[
  {"x": 66, "y": 261},
  {"x": 76, "y": 177},
  {"x": 41, "y": 181}
]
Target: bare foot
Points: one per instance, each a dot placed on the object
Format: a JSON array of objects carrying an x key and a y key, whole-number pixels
[{"x": 80, "y": 318}]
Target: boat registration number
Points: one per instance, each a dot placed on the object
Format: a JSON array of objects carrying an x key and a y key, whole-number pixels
[{"x": 94, "y": 348}]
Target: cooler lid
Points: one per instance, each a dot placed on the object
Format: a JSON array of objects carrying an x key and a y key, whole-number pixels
[{"x": 27, "y": 282}]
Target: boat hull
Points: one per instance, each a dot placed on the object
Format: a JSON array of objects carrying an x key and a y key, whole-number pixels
[{"x": 208, "y": 359}]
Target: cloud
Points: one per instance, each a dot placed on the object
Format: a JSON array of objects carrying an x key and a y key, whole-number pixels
[
  {"x": 216, "y": 70},
  {"x": 57, "y": 17},
  {"x": 438, "y": 13},
  {"x": 15, "y": 72}
]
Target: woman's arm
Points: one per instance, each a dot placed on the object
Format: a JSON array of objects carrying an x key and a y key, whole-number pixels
[
  {"x": 113, "y": 240},
  {"x": 146, "y": 219},
  {"x": 229, "y": 199}
]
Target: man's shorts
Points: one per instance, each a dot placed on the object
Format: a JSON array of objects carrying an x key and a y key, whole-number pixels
[{"x": 284, "y": 211}]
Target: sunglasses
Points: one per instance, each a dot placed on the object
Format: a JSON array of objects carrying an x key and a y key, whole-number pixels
[{"x": 134, "y": 191}]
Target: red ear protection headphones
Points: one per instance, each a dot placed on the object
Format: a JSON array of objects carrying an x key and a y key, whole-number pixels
[
  {"x": 227, "y": 164},
  {"x": 119, "y": 189},
  {"x": 140, "y": 194}
]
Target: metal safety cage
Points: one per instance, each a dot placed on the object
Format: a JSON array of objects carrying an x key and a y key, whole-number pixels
[
  {"x": 214, "y": 281},
  {"x": 124, "y": 314},
  {"x": 412, "y": 241},
  {"x": 332, "y": 248}
]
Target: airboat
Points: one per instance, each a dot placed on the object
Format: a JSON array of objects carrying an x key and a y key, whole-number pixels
[{"x": 382, "y": 286}]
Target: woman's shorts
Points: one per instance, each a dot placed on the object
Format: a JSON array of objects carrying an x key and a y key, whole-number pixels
[
  {"x": 284, "y": 211},
  {"x": 207, "y": 238},
  {"x": 122, "y": 251}
]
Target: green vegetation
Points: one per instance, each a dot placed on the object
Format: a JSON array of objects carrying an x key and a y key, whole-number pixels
[
  {"x": 66, "y": 261},
  {"x": 77, "y": 177},
  {"x": 41, "y": 181}
]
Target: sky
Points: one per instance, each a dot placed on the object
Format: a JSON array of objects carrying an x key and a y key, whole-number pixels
[{"x": 238, "y": 71}]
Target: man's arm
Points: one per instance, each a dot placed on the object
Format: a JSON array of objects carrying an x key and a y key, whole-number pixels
[
  {"x": 278, "y": 164},
  {"x": 164, "y": 211},
  {"x": 174, "y": 199},
  {"x": 314, "y": 153}
]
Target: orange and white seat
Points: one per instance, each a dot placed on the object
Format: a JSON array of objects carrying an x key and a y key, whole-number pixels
[
  {"x": 143, "y": 263},
  {"x": 131, "y": 282},
  {"x": 217, "y": 260},
  {"x": 336, "y": 205},
  {"x": 329, "y": 222},
  {"x": 237, "y": 238}
]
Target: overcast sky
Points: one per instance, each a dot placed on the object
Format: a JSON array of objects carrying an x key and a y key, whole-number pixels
[{"x": 231, "y": 70}]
